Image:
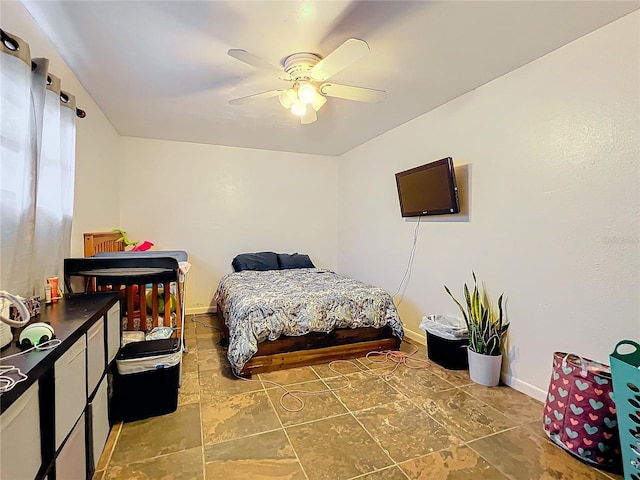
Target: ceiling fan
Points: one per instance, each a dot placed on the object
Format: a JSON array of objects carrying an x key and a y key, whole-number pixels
[{"x": 308, "y": 73}]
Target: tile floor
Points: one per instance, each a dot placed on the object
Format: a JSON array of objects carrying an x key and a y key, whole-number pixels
[{"x": 419, "y": 424}]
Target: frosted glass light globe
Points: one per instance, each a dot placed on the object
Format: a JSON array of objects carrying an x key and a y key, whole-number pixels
[
  {"x": 318, "y": 102},
  {"x": 298, "y": 108},
  {"x": 306, "y": 92},
  {"x": 287, "y": 98}
]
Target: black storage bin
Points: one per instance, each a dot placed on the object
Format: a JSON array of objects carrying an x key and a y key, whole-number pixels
[
  {"x": 146, "y": 379},
  {"x": 451, "y": 354}
]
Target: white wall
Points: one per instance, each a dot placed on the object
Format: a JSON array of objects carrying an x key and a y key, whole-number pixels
[
  {"x": 551, "y": 151},
  {"x": 97, "y": 143},
  {"x": 222, "y": 200},
  {"x": 216, "y": 202},
  {"x": 549, "y": 166}
]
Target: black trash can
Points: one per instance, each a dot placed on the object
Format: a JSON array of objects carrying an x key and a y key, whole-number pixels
[
  {"x": 146, "y": 379},
  {"x": 447, "y": 341},
  {"x": 451, "y": 354}
]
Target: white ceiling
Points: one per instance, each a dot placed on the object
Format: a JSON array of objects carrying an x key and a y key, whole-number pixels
[{"x": 160, "y": 69}]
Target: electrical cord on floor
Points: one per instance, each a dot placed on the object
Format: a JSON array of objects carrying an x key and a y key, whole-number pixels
[
  {"x": 213, "y": 327},
  {"x": 395, "y": 356},
  {"x": 7, "y": 382}
]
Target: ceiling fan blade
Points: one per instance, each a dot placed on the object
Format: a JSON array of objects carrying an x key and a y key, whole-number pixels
[
  {"x": 359, "y": 94},
  {"x": 257, "y": 62},
  {"x": 349, "y": 52},
  {"x": 309, "y": 117},
  {"x": 257, "y": 96}
]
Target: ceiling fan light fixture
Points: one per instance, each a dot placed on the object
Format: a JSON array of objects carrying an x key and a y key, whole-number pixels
[
  {"x": 287, "y": 98},
  {"x": 318, "y": 102},
  {"x": 308, "y": 72},
  {"x": 307, "y": 92},
  {"x": 298, "y": 108}
]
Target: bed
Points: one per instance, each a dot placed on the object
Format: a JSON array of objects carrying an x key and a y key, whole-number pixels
[{"x": 287, "y": 317}]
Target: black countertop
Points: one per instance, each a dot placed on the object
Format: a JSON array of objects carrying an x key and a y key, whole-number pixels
[{"x": 70, "y": 319}]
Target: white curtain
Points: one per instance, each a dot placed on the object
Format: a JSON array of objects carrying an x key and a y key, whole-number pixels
[
  {"x": 17, "y": 173},
  {"x": 67, "y": 168},
  {"x": 38, "y": 162}
]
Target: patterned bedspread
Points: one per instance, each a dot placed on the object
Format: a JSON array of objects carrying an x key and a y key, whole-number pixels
[{"x": 261, "y": 306}]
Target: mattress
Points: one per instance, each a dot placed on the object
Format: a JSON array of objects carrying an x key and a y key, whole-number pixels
[
  {"x": 263, "y": 305},
  {"x": 179, "y": 255}
]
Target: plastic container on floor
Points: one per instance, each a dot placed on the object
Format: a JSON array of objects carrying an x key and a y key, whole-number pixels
[
  {"x": 625, "y": 373},
  {"x": 146, "y": 380},
  {"x": 447, "y": 341},
  {"x": 451, "y": 354}
]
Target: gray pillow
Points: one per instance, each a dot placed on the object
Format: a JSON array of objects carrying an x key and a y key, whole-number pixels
[
  {"x": 295, "y": 260},
  {"x": 255, "y": 261}
]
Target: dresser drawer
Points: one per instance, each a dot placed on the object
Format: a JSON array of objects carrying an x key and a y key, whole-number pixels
[
  {"x": 113, "y": 332},
  {"x": 96, "y": 359},
  {"x": 71, "y": 463},
  {"x": 20, "y": 437},
  {"x": 70, "y": 372},
  {"x": 99, "y": 423}
]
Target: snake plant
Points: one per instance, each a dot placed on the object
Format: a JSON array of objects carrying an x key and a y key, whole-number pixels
[{"x": 486, "y": 328}]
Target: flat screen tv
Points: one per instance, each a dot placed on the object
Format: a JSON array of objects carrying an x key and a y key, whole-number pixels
[{"x": 428, "y": 190}]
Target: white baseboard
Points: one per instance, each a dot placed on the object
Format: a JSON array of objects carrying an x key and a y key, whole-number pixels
[
  {"x": 199, "y": 310},
  {"x": 416, "y": 337},
  {"x": 420, "y": 338},
  {"x": 525, "y": 387},
  {"x": 513, "y": 382}
]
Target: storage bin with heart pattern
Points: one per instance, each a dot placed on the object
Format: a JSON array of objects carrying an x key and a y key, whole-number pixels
[{"x": 580, "y": 413}]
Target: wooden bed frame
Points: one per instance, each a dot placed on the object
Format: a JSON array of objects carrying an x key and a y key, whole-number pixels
[
  {"x": 99, "y": 242},
  {"x": 315, "y": 348}
]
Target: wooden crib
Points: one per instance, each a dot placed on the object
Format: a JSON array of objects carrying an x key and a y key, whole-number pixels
[
  {"x": 131, "y": 273},
  {"x": 123, "y": 274},
  {"x": 97, "y": 242}
]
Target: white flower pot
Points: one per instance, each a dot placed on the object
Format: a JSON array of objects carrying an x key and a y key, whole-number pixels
[{"x": 484, "y": 369}]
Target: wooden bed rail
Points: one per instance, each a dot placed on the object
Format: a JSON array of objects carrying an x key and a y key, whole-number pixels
[{"x": 314, "y": 348}]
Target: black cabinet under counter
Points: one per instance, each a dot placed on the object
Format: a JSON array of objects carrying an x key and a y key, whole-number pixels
[{"x": 53, "y": 399}]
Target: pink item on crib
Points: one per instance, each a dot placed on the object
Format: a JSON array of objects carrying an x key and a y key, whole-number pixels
[{"x": 142, "y": 247}]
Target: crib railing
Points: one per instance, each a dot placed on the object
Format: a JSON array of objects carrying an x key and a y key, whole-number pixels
[
  {"x": 128, "y": 275},
  {"x": 98, "y": 242}
]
